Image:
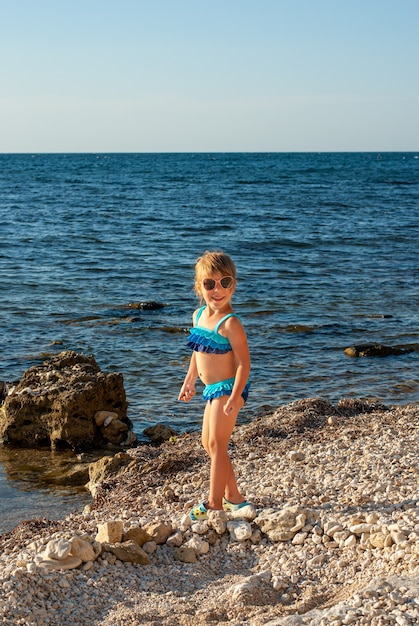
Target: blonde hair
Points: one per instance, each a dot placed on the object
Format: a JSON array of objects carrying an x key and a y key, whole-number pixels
[{"x": 211, "y": 263}]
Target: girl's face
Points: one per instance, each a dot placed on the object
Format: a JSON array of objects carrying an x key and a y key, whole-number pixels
[{"x": 217, "y": 289}]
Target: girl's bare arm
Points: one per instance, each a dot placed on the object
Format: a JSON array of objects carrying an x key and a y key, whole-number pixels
[
  {"x": 188, "y": 390},
  {"x": 238, "y": 342}
]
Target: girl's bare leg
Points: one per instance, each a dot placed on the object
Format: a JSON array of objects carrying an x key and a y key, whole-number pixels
[{"x": 216, "y": 432}]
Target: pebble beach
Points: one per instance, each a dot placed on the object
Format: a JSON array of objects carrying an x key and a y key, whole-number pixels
[{"x": 332, "y": 537}]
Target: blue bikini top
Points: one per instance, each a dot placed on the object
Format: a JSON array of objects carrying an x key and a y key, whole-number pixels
[{"x": 209, "y": 341}]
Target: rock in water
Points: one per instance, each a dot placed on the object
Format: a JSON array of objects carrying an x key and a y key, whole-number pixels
[{"x": 54, "y": 404}]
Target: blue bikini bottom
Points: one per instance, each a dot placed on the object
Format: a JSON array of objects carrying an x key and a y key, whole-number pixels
[{"x": 223, "y": 388}]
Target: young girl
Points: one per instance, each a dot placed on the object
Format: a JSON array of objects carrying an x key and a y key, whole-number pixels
[{"x": 221, "y": 359}]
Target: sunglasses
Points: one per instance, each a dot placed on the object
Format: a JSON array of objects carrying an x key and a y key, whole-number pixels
[{"x": 225, "y": 282}]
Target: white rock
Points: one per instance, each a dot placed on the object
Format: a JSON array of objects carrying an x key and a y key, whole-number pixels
[
  {"x": 149, "y": 547},
  {"x": 175, "y": 540},
  {"x": 299, "y": 539},
  {"x": 110, "y": 532},
  {"x": 197, "y": 544},
  {"x": 399, "y": 555},
  {"x": 70, "y": 562},
  {"x": 278, "y": 584},
  {"x": 240, "y": 530},
  {"x": 200, "y": 528},
  {"x": 341, "y": 535},
  {"x": 218, "y": 521},
  {"x": 248, "y": 512},
  {"x": 316, "y": 560},
  {"x": 398, "y": 537},
  {"x": 184, "y": 554},
  {"x": 350, "y": 542},
  {"x": 185, "y": 523},
  {"x": 82, "y": 549},
  {"x": 296, "y": 455},
  {"x": 331, "y": 530},
  {"x": 359, "y": 529},
  {"x": 57, "y": 549}
]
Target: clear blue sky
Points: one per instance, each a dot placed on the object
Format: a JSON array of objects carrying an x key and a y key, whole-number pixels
[{"x": 209, "y": 75}]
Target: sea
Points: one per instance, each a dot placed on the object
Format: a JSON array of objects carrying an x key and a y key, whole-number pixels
[{"x": 326, "y": 249}]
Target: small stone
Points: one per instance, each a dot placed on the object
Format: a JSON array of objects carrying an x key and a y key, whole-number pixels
[
  {"x": 256, "y": 536},
  {"x": 175, "y": 540},
  {"x": 350, "y": 542},
  {"x": 87, "y": 510},
  {"x": 137, "y": 534},
  {"x": 282, "y": 525},
  {"x": 316, "y": 560},
  {"x": 240, "y": 530},
  {"x": 160, "y": 433},
  {"x": 149, "y": 547},
  {"x": 198, "y": 545},
  {"x": 70, "y": 562},
  {"x": 184, "y": 554},
  {"x": 333, "y": 529},
  {"x": 299, "y": 539},
  {"x": 185, "y": 523},
  {"x": 359, "y": 529},
  {"x": 129, "y": 551},
  {"x": 109, "y": 532},
  {"x": 377, "y": 540},
  {"x": 397, "y": 556},
  {"x": 218, "y": 521},
  {"x": 87, "y": 566},
  {"x": 114, "y": 431},
  {"x": 295, "y": 456},
  {"x": 82, "y": 549},
  {"x": 398, "y": 537},
  {"x": 102, "y": 416},
  {"x": 200, "y": 528},
  {"x": 278, "y": 584},
  {"x": 159, "y": 531},
  {"x": 342, "y": 535},
  {"x": 247, "y": 512},
  {"x": 57, "y": 549}
]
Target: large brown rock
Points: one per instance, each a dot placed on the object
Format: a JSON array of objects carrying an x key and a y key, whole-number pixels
[{"x": 54, "y": 404}]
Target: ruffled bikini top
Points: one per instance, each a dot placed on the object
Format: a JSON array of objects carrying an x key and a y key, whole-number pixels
[{"x": 209, "y": 341}]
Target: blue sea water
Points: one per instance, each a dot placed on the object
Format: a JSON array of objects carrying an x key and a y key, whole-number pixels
[{"x": 325, "y": 246}]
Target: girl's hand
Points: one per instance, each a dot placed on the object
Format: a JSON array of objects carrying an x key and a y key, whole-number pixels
[
  {"x": 229, "y": 407},
  {"x": 187, "y": 392}
]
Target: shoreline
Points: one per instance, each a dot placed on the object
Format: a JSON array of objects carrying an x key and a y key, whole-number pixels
[{"x": 347, "y": 464}]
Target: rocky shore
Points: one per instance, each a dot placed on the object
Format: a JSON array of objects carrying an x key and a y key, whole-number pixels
[{"x": 332, "y": 538}]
